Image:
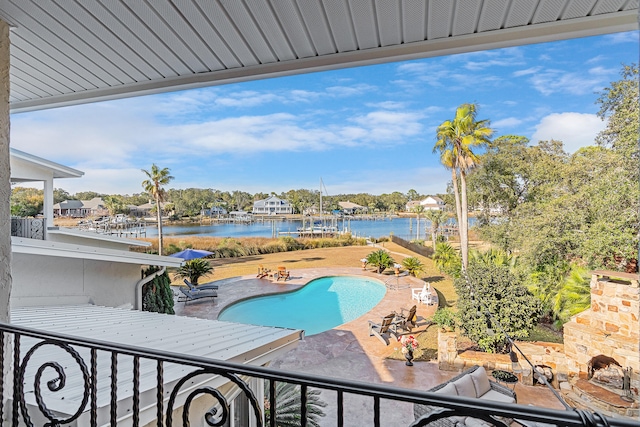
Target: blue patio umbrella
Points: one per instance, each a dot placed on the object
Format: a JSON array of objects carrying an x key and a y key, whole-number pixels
[{"x": 189, "y": 254}]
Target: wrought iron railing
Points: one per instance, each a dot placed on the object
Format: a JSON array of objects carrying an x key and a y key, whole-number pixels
[
  {"x": 98, "y": 367},
  {"x": 31, "y": 228}
]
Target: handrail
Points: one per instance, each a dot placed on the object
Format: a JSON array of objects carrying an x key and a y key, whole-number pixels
[{"x": 234, "y": 371}]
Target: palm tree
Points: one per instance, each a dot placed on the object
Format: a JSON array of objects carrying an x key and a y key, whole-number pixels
[
  {"x": 418, "y": 210},
  {"x": 456, "y": 138},
  {"x": 413, "y": 265},
  {"x": 194, "y": 269},
  {"x": 437, "y": 217},
  {"x": 157, "y": 179},
  {"x": 380, "y": 259},
  {"x": 289, "y": 404}
]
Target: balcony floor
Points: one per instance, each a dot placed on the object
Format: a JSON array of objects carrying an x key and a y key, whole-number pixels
[{"x": 348, "y": 352}]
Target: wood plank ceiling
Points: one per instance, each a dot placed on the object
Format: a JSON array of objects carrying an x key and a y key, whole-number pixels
[{"x": 72, "y": 51}]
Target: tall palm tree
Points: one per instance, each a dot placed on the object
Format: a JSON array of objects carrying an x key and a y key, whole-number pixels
[
  {"x": 418, "y": 210},
  {"x": 157, "y": 178},
  {"x": 456, "y": 138},
  {"x": 437, "y": 217}
]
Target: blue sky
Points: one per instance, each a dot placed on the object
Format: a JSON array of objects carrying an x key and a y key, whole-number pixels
[{"x": 367, "y": 129}]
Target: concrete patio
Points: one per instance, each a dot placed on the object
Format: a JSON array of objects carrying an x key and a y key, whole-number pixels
[{"x": 348, "y": 352}]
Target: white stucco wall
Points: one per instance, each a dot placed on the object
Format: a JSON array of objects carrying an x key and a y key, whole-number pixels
[{"x": 43, "y": 280}]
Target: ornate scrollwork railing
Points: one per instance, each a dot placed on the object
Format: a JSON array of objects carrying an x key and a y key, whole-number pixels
[
  {"x": 108, "y": 378},
  {"x": 31, "y": 228}
]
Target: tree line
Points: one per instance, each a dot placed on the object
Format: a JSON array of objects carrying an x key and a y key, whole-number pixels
[{"x": 189, "y": 202}]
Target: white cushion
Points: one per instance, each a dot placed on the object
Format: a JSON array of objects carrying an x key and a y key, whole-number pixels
[
  {"x": 475, "y": 422},
  {"x": 449, "y": 389},
  {"x": 465, "y": 386},
  {"x": 480, "y": 381},
  {"x": 496, "y": 396}
]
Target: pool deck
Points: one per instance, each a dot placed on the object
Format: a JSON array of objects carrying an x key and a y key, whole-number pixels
[{"x": 348, "y": 352}]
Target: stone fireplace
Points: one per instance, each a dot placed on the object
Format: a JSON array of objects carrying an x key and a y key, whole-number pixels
[{"x": 602, "y": 344}]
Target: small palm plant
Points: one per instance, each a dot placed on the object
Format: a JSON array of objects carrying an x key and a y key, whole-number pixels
[
  {"x": 447, "y": 259},
  {"x": 194, "y": 269},
  {"x": 413, "y": 265},
  {"x": 289, "y": 403},
  {"x": 380, "y": 259}
]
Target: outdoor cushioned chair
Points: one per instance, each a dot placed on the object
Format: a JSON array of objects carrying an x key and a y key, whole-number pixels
[
  {"x": 475, "y": 383},
  {"x": 195, "y": 294},
  {"x": 191, "y": 286},
  {"x": 387, "y": 328}
]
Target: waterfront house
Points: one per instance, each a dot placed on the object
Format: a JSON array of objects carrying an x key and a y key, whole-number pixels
[
  {"x": 349, "y": 208},
  {"x": 433, "y": 203},
  {"x": 272, "y": 205},
  {"x": 91, "y": 51},
  {"x": 80, "y": 208}
]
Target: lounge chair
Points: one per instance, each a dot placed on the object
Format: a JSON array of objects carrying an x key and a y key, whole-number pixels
[
  {"x": 282, "y": 274},
  {"x": 386, "y": 328},
  {"x": 194, "y": 294},
  {"x": 191, "y": 286},
  {"x": 407, "y": 318},
  {"x": 422, "y": 294},
  {"x": 262, "y": 272}
]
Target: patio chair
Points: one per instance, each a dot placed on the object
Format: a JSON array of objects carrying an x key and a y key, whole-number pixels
[
  {"x": 407, "y": 318},
  {"x": 282, "y": 274},
  {"x": 192, "y": 287},
  {"x": 262, "y": 272},
  {"x": 195, "y": 294},
  {"x": 422, "y": 294},
  {"x": 386, "y": 328}
]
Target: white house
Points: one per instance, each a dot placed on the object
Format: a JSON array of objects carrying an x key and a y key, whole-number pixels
[
  {"x": 272, "y": 205},
  {"x": 433, "y": 203}
]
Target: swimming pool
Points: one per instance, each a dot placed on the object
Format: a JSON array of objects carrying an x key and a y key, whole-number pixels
[{"x": 320, "y": 305}]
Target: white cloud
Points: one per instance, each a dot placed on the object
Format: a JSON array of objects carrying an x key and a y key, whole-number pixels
[
  {"x": 627, "y": 37},
  {"x": 508, "y": 122},
  {"x": 559, "y": 81},
  {"x": 526, "y": 72},
  {"x": 575, "y": 130}
]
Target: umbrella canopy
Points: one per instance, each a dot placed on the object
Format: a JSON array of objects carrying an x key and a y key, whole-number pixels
[{"x": 188, "y": 254}]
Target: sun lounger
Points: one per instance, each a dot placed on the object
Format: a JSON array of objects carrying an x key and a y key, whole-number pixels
[
  {"x": 387, "y": 328},
  {"x": 195, "y": 294},
  {"x": 191, "y": 286},
  {"x": 262, "y": 272}
]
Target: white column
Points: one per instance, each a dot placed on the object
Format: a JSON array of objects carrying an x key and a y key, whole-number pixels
[
  {"x": 5, "y": 176},
  {"x": 47, "y": 208}
]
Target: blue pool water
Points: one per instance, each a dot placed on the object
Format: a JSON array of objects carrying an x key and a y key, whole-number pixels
[{"x": 320, "y": 305}]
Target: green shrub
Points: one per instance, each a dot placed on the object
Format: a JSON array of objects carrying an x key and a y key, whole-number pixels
[
  {"x": 157, "y": 295},
  {"x": 494, "y": 301},
  {"x": 444, "y": 318}
]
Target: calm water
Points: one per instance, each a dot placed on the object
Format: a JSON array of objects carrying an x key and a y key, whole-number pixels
[
  {"x": 401, "y": 227},
  {"x": 319, "y": 306}
]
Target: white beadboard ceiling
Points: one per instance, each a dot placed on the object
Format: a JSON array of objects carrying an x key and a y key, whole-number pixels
[{"x": 67, "y": 52}]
